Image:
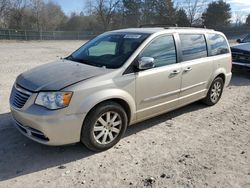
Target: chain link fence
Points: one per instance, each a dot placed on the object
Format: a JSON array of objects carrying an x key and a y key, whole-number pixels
[
  {"x": 9, "y": 34},
  {"x": 235, "y": 33}
]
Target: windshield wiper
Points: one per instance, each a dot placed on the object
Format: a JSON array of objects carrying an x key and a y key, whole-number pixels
[{"x": 71, "y": 58}]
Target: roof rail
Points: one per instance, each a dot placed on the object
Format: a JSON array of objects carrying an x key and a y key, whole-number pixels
[
  {"x": 167, "y": 26},
  {"x": 157, "y": 25},
  {"x": 187, "y": 28}
]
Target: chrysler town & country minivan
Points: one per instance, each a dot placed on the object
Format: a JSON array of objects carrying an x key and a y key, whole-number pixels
[{"x": 118, "y": 79}]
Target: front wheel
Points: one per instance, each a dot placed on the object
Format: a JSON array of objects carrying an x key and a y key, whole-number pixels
[
  {"x": 104, "y": 126},
  {"x": 215, "y": 92}
]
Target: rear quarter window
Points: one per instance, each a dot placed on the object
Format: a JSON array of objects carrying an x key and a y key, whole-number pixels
[
  {"x": 193, "y": 46},
  {"x": 218, "y": 44}
]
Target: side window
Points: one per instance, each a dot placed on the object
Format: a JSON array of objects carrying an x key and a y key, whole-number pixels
[
  {"x": 103, "y": 48},
  {"x": 193, "y": 46},
  {"x": 218, "y": 44},
  {"x": 162, "y": 49}
]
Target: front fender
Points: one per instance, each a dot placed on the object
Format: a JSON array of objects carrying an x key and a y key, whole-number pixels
[{"x": 108, "y": 94}]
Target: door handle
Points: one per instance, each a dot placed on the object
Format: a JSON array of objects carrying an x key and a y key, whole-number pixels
[
  {"x": 174, "y": 72},
  {"x": 188, "y": 69}
]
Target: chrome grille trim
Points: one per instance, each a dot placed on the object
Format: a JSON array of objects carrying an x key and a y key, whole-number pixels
[
  {"x": 22, "y": 90},
  {"x": 20, "y": 96},
  {"x": 241, "y": 57}
]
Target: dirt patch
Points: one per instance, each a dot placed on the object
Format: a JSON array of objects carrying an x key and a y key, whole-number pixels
[{"x": 195, "y": 146}]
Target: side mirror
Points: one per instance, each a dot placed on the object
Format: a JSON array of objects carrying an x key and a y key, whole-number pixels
[
  {"x": 239, "y": 40},
  {"x": 145, "y": 63}
]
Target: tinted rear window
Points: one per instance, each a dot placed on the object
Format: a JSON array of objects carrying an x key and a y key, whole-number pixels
[
  {"x": 193, "y": 46},
  {"x": 218, "y": 44}
]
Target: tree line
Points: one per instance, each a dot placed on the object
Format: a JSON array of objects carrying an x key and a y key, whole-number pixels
[{"x": 44, "y": 15}]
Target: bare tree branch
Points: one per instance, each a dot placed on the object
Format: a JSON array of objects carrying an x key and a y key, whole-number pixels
[
  {"x": 105, "y": 10},
  {"x": 194, "y": 9}
]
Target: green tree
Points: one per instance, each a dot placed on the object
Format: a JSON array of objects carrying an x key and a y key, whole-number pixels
[
  {"x": 218, "y": 14},
  {"x": 182, "y": 19},
  {"x": 132, "y": 12},
  {"x": 148, "y": 11},
  {"x": 248, "y": 20},
  {"x": 165, "y": 12}
]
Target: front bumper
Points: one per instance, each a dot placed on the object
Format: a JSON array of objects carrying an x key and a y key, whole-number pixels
[
  {"x": 48, "y": 127},
  {"x": 242, "y": 64}
]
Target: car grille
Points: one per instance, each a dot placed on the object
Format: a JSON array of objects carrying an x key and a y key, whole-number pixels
[
  {"x": 20, "y": 96},
  {"x": 240, "y": 57}
]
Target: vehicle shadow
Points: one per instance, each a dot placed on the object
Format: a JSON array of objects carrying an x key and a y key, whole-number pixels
[{"x": 20, "y": 156}]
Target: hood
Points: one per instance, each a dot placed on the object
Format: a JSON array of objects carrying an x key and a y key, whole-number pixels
[
  {"x": 241, "y": 47},
  {"x": 58, "y": 75}
]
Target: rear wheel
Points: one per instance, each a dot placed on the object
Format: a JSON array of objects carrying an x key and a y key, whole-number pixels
[
  {"x": 215, "y": 92},
  {"x": 104, "y": 126}
]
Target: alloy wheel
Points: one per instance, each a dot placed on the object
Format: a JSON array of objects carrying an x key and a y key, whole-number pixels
[
  {"x": 107, "y": 127},
  {"x": 216, "y": 92}
]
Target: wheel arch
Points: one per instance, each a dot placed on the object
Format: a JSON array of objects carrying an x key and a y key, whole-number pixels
[
  {"x": 223, "y": 76},
  {"x": 218, "y": 73},
  {"x": 119, "y": 96}
]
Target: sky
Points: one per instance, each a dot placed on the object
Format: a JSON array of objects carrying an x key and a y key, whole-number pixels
[
  {"x": 239, "y": 7},
  {"x": 69, "y": 6}
]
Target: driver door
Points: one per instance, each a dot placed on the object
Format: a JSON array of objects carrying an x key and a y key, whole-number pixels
[{"x": 158, "y": 89}]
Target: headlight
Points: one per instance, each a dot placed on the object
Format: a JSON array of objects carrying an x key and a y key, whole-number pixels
[{"x": 54, "y": 100}]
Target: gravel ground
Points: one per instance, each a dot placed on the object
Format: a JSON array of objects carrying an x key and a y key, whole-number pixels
[{"x": 195, "y": 146}]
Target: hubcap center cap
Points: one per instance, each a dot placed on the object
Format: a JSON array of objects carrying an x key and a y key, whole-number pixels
[{"x": 109, "y": 125}]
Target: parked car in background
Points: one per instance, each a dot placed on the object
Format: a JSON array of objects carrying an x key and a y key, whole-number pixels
[
  {"x": 241, "y": 54},
  {"x": 246, "y": 39},
  {"x": 117, "y": 79}
]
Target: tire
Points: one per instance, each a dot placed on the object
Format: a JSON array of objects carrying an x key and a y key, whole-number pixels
[
  {"x": 215, "y": 91},
  {"x": 104, "y": 126}
]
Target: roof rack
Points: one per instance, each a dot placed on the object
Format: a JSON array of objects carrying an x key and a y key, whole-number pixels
[
  {"x": 187, "y": 28},
  {"x": 175, "y": 26},
  {"x": 157, "y": 25}
]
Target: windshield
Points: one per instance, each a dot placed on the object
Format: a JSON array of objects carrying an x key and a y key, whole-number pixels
[
  {"x": 109, "y": 50},
  {"x": 246, "y": 39}
]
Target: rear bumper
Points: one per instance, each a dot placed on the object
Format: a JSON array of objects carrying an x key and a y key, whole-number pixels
[
  {"x": 228, "y": 79},
  {"x": 51, "y": 128}
]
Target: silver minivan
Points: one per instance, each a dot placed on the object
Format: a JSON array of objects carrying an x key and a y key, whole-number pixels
[{"x": 118, "y": 79}]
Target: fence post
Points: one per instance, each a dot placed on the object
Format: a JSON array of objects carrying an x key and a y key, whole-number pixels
[
  {"x": 41, "y": 37},
  {"x": 25, "y": 35},
  {"x": 9, "y": 34}
]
